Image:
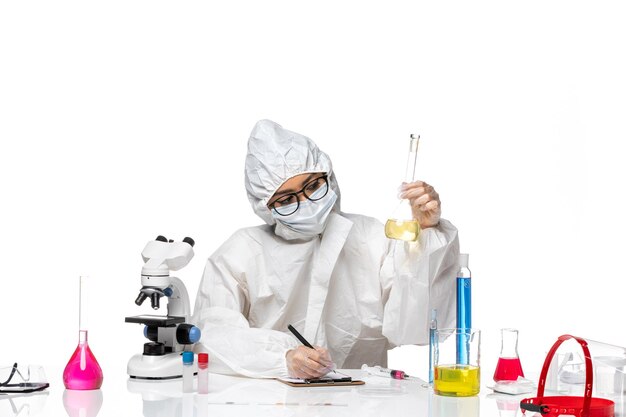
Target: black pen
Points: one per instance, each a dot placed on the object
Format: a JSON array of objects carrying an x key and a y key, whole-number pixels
[{"x": 299, "y": 336}]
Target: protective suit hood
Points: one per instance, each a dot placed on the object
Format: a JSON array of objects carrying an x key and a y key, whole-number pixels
[{"x": 274, "y": 156}]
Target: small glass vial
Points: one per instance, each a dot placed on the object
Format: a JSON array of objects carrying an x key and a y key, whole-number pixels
[
  {"x": 187, "y": 372},
  {"x": 203, "y": 373}
]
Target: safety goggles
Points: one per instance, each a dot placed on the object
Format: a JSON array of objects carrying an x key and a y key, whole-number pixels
[
  {"x": 12, "y": 380},
  {"x": 314, "y": 190}
]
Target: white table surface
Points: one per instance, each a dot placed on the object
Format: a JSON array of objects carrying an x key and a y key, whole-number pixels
[{"x": 235, "y": 396}]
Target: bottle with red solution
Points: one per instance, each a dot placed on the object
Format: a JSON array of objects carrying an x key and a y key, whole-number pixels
[{"x": 509, "y": 367}]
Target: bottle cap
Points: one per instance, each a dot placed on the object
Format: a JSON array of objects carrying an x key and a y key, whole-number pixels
[
  {"x": 203, "y": 358},
  {"x": 188, "y": 357},
  {"x": 464, "y": 260}
]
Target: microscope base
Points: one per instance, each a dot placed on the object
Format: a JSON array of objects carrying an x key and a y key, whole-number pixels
[{"x": 168, "y": 366}]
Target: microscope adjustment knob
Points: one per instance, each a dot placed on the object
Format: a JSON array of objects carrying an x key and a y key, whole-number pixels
[
  {"x": 161, "y": 238},
  {"x": 190, "y": 241},
  {"x": 154, "y": 349},
  {"x": 187, "y": 334},
  {"x": 151, "y": 333}
]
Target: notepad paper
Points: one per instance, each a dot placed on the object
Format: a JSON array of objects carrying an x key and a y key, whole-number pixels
[{"x": 332, "y": 375}]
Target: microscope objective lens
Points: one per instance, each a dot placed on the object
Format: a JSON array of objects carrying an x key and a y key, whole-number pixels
[{"x": 155, "y": 300}]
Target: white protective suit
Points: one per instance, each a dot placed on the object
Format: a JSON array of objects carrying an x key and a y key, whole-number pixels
[{"x": 350, "y": 289}]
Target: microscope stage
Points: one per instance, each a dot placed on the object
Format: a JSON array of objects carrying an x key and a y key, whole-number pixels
[{"x": 159, "y": 321}]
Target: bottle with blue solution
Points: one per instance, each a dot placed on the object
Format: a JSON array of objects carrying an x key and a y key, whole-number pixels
[
  {"x": 463, "y": 308},
  {"x": 431, "y": 345}
]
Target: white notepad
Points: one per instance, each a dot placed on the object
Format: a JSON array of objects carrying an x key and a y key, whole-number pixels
[{"x": 333, "y": 378}]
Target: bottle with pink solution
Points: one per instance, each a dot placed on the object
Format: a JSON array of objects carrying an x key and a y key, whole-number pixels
[
  {"x": 509, "y": 367},
  {"x": 82, "y": 372}
]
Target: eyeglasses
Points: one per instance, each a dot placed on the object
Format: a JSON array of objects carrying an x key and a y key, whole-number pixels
[
  {"x": 313, "y": 190},
  {"x": 23, "y": 385}
]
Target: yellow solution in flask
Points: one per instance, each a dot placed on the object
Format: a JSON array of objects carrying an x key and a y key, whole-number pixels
[
  {"x": 407, "y": 230},
  {"x": 457, "y": 380}
]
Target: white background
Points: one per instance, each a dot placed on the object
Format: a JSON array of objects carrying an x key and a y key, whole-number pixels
[{"x": 122, "y": 120}]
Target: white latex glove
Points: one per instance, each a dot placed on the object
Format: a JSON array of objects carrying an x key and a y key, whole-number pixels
[
  {"x": 424, "y": 201},
  {"x": 307, "y": 363}
]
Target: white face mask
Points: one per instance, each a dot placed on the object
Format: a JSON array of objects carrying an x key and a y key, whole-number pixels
[{"x": 311, "y": 217}]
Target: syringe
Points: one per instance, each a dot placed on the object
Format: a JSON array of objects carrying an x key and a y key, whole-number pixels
[{"x": 386, "y": 372}]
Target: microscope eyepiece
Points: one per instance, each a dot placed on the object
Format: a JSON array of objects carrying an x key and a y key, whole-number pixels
[
  {"x": 141, "y": 298},
  {"x": 190, "y": 241}
]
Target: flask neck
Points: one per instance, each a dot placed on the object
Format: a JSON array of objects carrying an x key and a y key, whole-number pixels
[
  {"x": 411, "y": 161},
  {"x": 509, "y": 343},
  {"x": 82, "y": 337}
]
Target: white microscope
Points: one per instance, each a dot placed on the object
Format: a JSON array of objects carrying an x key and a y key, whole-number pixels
[{"x": 168, "y": 335}]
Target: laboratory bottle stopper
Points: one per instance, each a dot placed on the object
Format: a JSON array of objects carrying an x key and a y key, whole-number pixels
[
  {"x": 463, "y": 307},
  {"x": 82, "y": 371},
  {"x": 401, "y": 225},
  {"x": 509, "y": 367}
]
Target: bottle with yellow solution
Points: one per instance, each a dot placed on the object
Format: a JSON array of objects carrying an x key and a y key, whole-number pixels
[{"x": 401, "y": 224}]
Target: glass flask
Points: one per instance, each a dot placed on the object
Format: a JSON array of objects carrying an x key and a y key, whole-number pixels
[
  {"x": 401, "y": 224},
  {"x": 509, "y": 367},
  {"x": 82, "y": 371}
]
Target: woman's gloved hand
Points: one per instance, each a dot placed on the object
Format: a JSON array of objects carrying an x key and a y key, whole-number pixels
[
  {"x": 424, "y": 201},
  {"x": 307, "y": 363}
]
